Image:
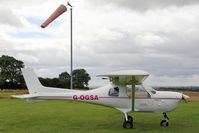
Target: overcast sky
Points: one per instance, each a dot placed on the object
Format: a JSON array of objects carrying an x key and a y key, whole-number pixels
[{"x": 158, "y": 36}]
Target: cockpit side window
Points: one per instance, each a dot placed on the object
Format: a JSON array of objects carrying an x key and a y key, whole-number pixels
[
  {"x": 139, "y": 92},
  {"x": 113, "y": 91}
]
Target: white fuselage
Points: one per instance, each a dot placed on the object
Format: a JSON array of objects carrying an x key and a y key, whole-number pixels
[{"x": 157, "y": 103}]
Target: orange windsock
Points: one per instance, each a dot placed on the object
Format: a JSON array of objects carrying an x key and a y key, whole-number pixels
[{"x": 61, "y": 9}]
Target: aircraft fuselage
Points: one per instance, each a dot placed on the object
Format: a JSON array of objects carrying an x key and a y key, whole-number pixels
[{"x": 157, "y": 103}]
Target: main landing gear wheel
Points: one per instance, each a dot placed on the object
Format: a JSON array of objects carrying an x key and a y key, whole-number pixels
[
  {"x": 165, "y": 123},
  {"x": 128, "y": 124},
  {"x": 130, "y": 118}
]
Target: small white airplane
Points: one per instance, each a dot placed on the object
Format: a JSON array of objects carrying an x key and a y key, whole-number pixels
[{"x": 138, "y": 98}]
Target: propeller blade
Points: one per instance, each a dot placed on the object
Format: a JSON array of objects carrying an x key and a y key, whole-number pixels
[
  {"x": 61, "y": 9},
  {"x": 185, "y": 97}
]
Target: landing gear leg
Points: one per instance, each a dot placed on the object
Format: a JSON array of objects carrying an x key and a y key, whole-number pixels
[
  {"x": 128, "y": 121},
  {"x": 165, "y": 123}
]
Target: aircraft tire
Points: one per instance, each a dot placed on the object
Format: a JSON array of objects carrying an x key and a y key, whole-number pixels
[
  {"x": 128, "y": 124},
  {"x": 130, "y": 118},
  {"x": 164, "y": 123}
]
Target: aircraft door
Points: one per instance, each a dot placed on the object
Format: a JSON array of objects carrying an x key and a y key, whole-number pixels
[{"x": 143, "y": 101}]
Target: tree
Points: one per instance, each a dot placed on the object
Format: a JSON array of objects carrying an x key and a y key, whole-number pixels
[
  {"x": 64, "y": 78},
  {"x": 10, "y": 73},
  {"x": 1, "y": 81},
  {"x": 63, "y": 81},
  {"x": 80, "y": 79}
]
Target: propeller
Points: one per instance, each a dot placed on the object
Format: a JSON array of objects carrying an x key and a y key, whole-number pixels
[{"x": 185, "y": 97}]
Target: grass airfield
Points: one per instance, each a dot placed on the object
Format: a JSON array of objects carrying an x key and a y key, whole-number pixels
[{"x": 58, "y": 116}]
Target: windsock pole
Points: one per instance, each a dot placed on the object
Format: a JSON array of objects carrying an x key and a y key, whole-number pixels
[{"x": 71, "y": 45}]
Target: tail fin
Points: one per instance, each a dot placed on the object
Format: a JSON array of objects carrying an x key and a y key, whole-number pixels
[{"x": 32, "y": 82}]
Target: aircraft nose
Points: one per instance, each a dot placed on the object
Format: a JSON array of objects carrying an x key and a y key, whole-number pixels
[{"x": 185, "y": 97}]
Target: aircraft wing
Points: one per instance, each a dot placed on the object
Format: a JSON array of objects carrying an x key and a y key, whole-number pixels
[
  {"x": 25, "y": 96},
  {"x": 126, "y": 76}
]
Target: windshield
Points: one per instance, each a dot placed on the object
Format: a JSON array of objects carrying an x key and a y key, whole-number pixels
[{"x": 149, "y": 88}]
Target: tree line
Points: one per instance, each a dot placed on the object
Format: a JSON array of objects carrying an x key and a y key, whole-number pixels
[{"x": 11, "y": 76}]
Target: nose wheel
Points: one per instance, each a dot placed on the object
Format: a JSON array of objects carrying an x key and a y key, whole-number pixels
[
  {"x": 165, "y": 123},
  {"x": 128, "y": 122}
]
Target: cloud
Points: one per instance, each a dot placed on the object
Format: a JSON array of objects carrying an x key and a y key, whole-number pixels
[
  {"x": 7, "y": 17},
  {"x": 143, "y": 5},
  {"x": 161, "y": 39},
  {"x": 191, "y": 80}
]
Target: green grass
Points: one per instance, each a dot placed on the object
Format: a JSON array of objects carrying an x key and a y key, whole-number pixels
[{"x": 18, "y": 116}]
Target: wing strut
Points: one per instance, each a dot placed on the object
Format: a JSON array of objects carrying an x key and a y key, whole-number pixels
[{"x": 133, "y": 93}]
